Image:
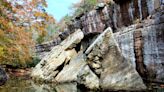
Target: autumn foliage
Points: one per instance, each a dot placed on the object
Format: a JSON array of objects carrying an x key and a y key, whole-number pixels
[{"x": 18, "y": 22}]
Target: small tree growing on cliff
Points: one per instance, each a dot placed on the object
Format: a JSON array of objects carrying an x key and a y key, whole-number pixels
[{"x": 84, "y": 6}]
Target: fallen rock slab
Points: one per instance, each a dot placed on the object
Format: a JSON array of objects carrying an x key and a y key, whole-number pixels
[
  {"x": 115, "y": 71},
  {"x": 71, "y": 71},
  {"x": 78, "y": 71},
  {"x": 57, "y": 58}
]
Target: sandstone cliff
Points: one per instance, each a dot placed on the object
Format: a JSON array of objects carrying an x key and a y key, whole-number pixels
[{"x": 137, "y": 29}]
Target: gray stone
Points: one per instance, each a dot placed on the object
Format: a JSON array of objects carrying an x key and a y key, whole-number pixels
[
  {"x": 117, "y": 71},
  {"x": 70, "y": 71},
  {"x": 88, "y": 78},
  {"x": 59, "y": 56},
  {"x": 66, "y": 87},
  {"x": 152, "y": 36},
  {"x": 78, "y": 71}
]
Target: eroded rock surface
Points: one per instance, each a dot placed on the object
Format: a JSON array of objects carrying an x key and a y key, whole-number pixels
[
  {"x": 71, "y": 70},
  {"x": 117, "y": 73},
  {"x": 114, "y": 14},
  {"x": 101, "y": 65},
  {"x": 143, "y": 44},
  {"x": 111, "y": 60},
  {"x": 64, "y": 65},
  {"x": 59, "y": 56},
  {"x": 78, "y": 71}
]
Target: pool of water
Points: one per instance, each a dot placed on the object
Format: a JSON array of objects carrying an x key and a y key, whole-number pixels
[{"x": 25, "y": 84}]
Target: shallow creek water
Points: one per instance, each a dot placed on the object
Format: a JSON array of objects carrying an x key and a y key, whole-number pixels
[{"x": 25, "y": 84}]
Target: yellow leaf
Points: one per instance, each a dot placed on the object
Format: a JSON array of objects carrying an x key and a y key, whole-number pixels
[{"x": 1, "y": 51}]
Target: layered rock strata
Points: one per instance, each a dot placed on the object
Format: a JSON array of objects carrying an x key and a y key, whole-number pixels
[{"x": 102, "y": 65}]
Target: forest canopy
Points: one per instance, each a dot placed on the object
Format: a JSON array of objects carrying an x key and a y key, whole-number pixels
[{"x": 22, "y": 25}]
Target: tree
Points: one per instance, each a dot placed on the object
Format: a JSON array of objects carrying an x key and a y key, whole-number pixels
[
  {"x": 18, "y": 20},
  {"x": 84, "y": 6}
]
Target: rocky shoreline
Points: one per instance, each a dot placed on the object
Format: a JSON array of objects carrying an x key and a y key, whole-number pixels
[
  {"x": 101, "y": 66},
  {"x": 107, "y": 61}
]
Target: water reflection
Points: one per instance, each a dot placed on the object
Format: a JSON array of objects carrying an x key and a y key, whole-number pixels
[{"x": 27, "y": 85}]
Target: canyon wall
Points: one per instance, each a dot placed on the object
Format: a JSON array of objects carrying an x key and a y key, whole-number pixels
[
  {"x": 138, "y": 28},
  {"x": 143, "y": 43},
  {"x": 116, "y": 14}
]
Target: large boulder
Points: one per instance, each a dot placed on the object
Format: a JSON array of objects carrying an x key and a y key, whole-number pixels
[
  {"x": 64, "y": 65},
  {"x": 78, "y": 71},
  {"x": 3, "y": 77},
  {"x": 70, "y": 71},
  {"x": 57, "y": 58},
  {"x": 116, "y": 72}
]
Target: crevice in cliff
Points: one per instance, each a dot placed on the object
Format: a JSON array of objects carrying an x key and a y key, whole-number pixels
[
  {"x": 125, "y": 14},
  {"x": 88, "y": 40},
  {"x": 78, "y": 47},
  {"x": 144, "y": 9},
  {"x": 60, "y": 68},
  {"x": 82, "y": 87},
  {"x": 136, "y": 10},
  {"x": 139, "y": 60}
]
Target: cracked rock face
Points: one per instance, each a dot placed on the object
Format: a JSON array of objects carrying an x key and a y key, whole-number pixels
[
  {"x": 101, "y": 65},
  {"x": 78, "y": 71},
  {"x": 117, "y": 73},
  {"x": 59, "y": 56},
  {"x": 143, "y": 44},
  {"x": 64, "y": 65},
  {"x": 71, "y": 70}
]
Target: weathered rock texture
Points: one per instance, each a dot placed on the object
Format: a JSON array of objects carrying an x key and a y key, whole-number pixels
[
  {"x": 60, "y": 55},
  {"x": 44, "y": 48},
  {"x": 78, "y": 71},
  {"x": 61, "y": 66},
  {"x": 138, "y": 30},
  {"x": 143, "y": 44},
  {"x": 109, "y": 68},
  {"x": 117, "y": 73},
  {"x": 116, "y": 14}
]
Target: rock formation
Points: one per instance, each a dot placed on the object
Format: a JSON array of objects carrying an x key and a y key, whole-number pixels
[
  {"x": 101, "y": 65},
  {"x": 117, "y": 73},
  {"x": 59, "y": 56},
  {"x": 137, "y": 27},
  {"x": 115, "y": 14},
  {"x": 117, "y": 60},
  {"x": 143, "y": 44}
]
